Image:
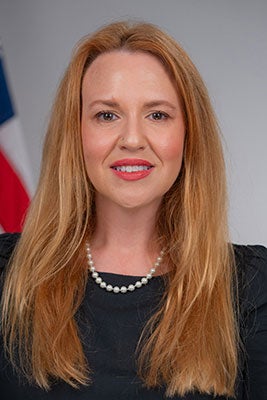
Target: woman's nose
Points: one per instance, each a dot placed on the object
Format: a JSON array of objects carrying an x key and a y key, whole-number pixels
[{"x": 132, "y": 136}]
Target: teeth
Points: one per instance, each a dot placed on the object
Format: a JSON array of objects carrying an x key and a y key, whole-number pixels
[{"x": 132, "y": 168}]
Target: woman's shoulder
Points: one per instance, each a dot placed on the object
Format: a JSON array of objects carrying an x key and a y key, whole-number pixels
[
  {"x": 251, "y": 264},
  {"x": 7, "y": 244},
  {"x": 251, "y": 258}
]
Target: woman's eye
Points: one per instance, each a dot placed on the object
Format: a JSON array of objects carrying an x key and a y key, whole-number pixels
[
  {"x": 106, "y": 116},
  {"x": 158, "y": 115}
]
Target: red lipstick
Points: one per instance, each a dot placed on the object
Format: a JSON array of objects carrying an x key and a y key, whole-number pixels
[{"x": 132, "y": 169}]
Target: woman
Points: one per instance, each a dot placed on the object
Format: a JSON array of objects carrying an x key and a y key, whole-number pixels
[{"x": 123, "y": 282}]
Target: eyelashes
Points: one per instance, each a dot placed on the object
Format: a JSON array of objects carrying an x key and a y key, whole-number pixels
[
  {"x": 106, "y": 116},
  {"x": 158, "y": 115},
  {"x": 109, "y": 116}
]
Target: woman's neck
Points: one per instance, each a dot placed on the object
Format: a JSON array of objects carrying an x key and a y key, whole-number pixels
[{"x": 123, "y": 241}]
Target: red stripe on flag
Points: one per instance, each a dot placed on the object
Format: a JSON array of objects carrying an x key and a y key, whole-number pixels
[{"x": 14, "y": 199}]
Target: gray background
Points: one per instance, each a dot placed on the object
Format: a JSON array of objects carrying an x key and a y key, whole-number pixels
[{"x": 227, "y": 40}]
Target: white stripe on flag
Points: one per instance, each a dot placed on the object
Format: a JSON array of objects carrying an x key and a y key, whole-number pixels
[{"x": 13, "y": 145}]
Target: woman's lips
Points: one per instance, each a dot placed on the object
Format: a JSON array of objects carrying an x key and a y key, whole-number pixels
[{"x": 132, "y": 169}]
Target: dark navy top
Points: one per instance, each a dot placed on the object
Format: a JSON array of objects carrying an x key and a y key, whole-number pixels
[{"x": 110, "y": 326}]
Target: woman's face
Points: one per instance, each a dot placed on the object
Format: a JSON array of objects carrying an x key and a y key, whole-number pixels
[{"x": 132, "y": 129}]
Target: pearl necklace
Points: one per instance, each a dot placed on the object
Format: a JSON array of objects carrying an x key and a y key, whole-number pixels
[{"x": 123, "y": 289}]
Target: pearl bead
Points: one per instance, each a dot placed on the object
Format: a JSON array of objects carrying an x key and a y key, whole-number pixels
[{"x": 122, "y": 289}]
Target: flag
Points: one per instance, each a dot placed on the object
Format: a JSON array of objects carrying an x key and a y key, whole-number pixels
[{"x": 15, "y": 174}]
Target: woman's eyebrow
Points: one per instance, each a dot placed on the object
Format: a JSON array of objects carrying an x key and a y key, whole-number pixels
[
  {"x": 158, "y": 103},
  {"x": 108, "y": 103},
  {"x": 149, "y": 104}
]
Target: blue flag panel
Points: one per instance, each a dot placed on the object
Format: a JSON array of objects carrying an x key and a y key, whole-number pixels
[{"x": 6, "y": 107}]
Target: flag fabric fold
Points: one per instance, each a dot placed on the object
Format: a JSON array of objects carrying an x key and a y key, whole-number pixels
[{"x": 15, "y": 173}]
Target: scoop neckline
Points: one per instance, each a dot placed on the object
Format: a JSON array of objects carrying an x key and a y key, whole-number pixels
[{"x": 114, "y": 274}]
